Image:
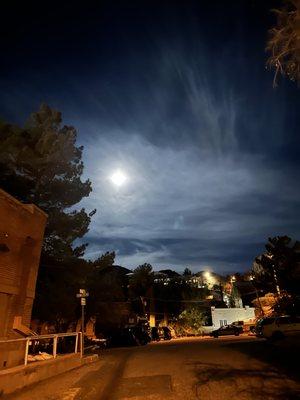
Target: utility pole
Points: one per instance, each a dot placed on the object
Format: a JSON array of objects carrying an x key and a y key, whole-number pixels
[
  {"x": 83, "y": 294},
  {"x": 257, "y": 296},
  {"x": 271, "y": 257}
]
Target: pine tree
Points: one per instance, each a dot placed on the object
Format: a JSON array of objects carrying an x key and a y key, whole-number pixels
[{"x": 41, "y": 164}]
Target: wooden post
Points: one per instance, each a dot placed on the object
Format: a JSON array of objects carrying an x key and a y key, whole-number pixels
[
  {"x": 76, "y": 343},
  {"x": 81, "y": 346},
  {"x": 26, "y": 352},
  {"x": 54, "y": 346},
  {"x": 82, "y": 327}
]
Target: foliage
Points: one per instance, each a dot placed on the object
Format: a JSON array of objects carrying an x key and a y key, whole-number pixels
[
  {"x": 190, "y": 321},
  {"x": 279, "y": 266},
  {"x": 284, "y": 42},
  {"x": 287, "y": 304},
  {"x": 265, "y": 304},
  {"x": 177, "y": 296},
  {"x": 56, "y": 300},
  {"x": 141, "y": 280},
  {"x": 41, "y": 164},
  {"x": 187, "y": 272},
  {"x": 170, "y": 296},
  {"x": 107, "y": 284},
  {"x": 234, "y": 296},
  {"x": 105, "y": 260}
]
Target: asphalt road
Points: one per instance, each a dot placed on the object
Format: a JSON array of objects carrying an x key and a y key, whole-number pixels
[{"x": 183, "y": 369}]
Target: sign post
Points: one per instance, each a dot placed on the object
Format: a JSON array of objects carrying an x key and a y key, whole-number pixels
[{"x": 83, "y": 294}]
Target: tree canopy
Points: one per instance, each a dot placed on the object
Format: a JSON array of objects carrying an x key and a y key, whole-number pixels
[
  {"x": 41, "y": 164},
  {"x": 284, "y": 42},
  {"x": 105, "y": 260},
  {"x": 279, "y": 266},
  {"x": 141, "y": 280},
  {"x": 187, "y": 272}
]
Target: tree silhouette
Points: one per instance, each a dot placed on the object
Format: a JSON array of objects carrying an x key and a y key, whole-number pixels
[
  {"x": 141, "y": 280},
  {"x": 279, "y": 265},
  {"x": 284, "y": 42},
  {"x": 41, "y": 164}
]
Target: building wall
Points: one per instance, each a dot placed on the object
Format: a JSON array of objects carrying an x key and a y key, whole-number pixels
[
  {"x": 21, "y": 235},
  {"x": 225, "y": 316}
]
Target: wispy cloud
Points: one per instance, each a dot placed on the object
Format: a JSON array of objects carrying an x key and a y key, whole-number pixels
[{"x": 210, "y": 150}]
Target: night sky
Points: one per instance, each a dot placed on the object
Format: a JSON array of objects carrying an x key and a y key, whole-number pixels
[{"x": 176, "y": 95}]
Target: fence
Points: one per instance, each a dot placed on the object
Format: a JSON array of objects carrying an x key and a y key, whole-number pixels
[{"x": 35, "y": 341}]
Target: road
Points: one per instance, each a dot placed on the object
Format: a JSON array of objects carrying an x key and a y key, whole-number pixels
[{"x": 182, "y": 369}]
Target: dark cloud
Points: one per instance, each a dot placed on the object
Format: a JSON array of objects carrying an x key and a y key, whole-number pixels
[{"x": 197, "y": 254}]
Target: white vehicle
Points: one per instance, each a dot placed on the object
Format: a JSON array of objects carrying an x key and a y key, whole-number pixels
[{"x": 278, "y": 327}]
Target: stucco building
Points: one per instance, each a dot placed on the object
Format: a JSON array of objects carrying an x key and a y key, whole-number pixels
[
  {"x": 21, "y": 235},
  {"x": 226, "y": 316}
]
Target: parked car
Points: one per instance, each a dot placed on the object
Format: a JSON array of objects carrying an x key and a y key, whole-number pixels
[
  {"x": 155, "y": 334},
  {"x": 129, "y": 336},
  {"x": 165, "y": 333},
  {"x": 160, "y": 333},
  {"x": 226, "y": 330},
  {"x": 239, "y": 325},
  {"x": 278, "y": 327}
]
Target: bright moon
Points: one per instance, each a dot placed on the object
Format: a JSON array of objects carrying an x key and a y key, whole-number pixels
[{"x": 118, "y": 178}]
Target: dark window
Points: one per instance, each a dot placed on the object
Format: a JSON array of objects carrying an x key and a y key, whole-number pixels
[
  {"x": 238, "y": 323},
  {"x": 267, "y": 321},
  {"x": 295, "y": 320},
  {"x": 283, "y": 321}
]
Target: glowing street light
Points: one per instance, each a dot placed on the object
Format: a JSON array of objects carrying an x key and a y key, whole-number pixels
[{"x": 207, "y": 275}]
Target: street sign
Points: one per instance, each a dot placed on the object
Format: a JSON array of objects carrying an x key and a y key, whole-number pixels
[{"x": 82, "y": 293}]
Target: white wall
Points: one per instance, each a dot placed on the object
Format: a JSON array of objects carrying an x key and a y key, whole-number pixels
[{"x": 229, "y": 315}]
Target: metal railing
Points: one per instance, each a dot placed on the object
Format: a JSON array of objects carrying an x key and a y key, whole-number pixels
[{"x": 32, "y": 340}]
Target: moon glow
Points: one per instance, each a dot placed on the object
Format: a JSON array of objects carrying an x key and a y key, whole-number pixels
[{"x": 118, "y": 178}]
